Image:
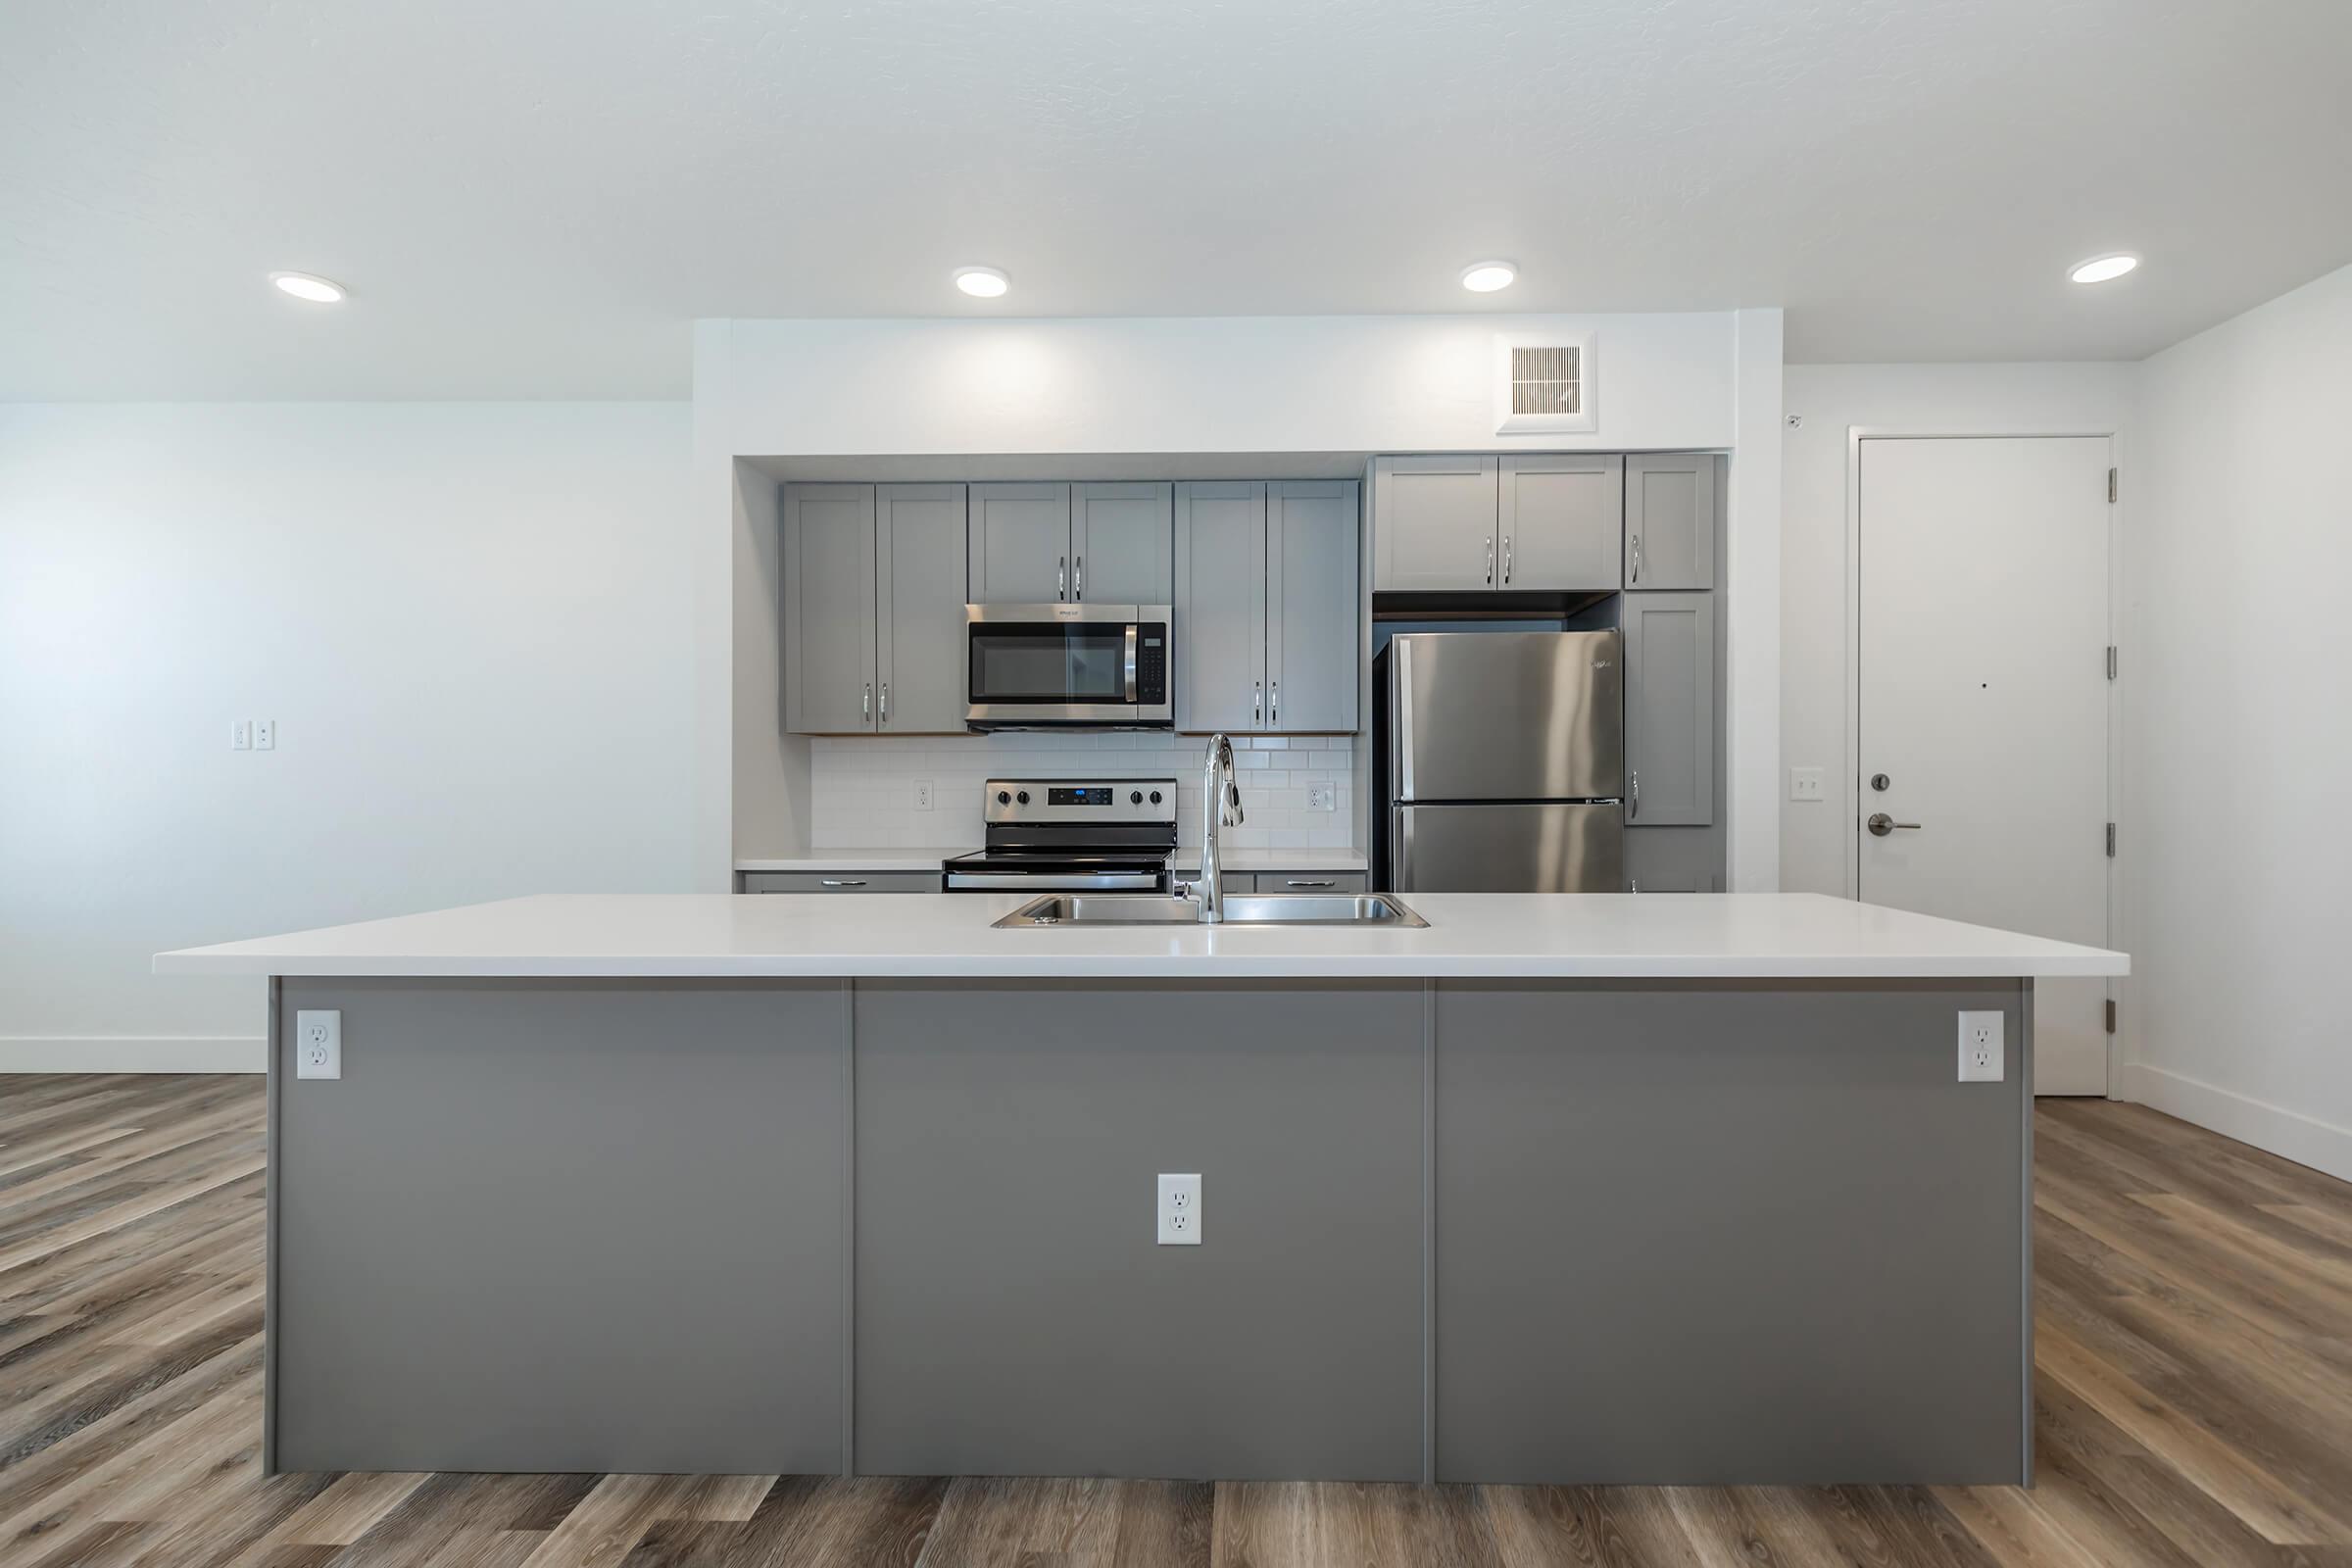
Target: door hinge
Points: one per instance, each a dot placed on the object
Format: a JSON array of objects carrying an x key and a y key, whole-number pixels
[
  {"x": 2111, "y": 661},
  {"x": 2111, "y": 484},
  {"x": 2111, "y": 1015},
  {"x": 2111, "y": 840}
]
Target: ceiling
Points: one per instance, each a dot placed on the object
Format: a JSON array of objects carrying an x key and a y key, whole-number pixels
[{"x": 533, "y": 198}]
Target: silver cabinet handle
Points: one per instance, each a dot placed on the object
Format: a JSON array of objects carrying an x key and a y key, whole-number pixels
[
  {"x": 867, "y": 713},
  {"x": 1882, "y": 824},
  {"x": 1637, "y": 558},
  {"x": 843, "y": 881},
  {"x": 1489, "y": 561},
  {"x": 886, "y": 701},
  {"x": 1061, "y": 578},
  {"x": 1506, "y": 561},
  {"x": 1633, "y": 795},
  {"x": 1078, "y": 577},
  {"x": 1274, "y": 704},
  {"x": 1308, "y": 882},
  {"x": 1257, "y": 704}
]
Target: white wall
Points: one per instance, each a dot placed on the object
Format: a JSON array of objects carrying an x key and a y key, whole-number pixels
[
  {"x": 471, "y": 622},
  {"x": 1817, "y": 837},
  {"x": 2239, "y": 730},
  {"x": 1295, "y": 384}
]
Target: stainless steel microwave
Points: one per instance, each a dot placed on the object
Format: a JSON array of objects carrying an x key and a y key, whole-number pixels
[{"x": 1094, "y": 666}]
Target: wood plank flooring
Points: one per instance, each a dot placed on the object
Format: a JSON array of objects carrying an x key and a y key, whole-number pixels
[{"x": 2193, "y": 1403}]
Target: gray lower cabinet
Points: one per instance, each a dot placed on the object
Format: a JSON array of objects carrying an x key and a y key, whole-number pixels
[
  {"x": 1220, "y": 605},
  {"x": 1311, "y": 881},
  {"x": 1562, "y": 520},
  {"x": 1019, "y": 550},
  {"x": 839, "y": 881},
  {"x": 1670, "y": 709},
  {"x": 918, "y": 641},
  {"x": 1231, "y": 881},
  {"x": 1313, "y": 586},
  {"x": 1434, "y": 523},
  {"x": 829, "y": 609},
  {"x": 1670, "y": 521},
  {"x": 1673, "y": 860},
  {"x": 1122, "y": 543}
]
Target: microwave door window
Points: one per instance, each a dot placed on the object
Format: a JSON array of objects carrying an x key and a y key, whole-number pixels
[{"x": 1049, "y": 665}]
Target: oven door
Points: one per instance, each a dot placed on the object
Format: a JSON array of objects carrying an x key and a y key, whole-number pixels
[{"x": 1099, "y": 666}]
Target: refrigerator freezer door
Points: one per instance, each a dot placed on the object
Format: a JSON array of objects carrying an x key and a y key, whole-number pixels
[
  {"x": 1507, "y": 716},
  {"x": 1507, "y": 848}
]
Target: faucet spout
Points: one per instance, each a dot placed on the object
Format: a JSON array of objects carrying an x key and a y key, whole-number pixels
[{"x": 1220, "y": 805}]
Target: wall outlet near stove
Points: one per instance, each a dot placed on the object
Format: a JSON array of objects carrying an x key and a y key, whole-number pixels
[
  {"x": 1322, "y": 798},
  {"x": 922, "y": 795}
]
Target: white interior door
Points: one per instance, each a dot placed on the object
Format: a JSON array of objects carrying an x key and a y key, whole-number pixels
[{"x": 1983, "y": 704}]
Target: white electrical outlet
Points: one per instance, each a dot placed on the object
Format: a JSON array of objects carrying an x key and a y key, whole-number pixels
[
  {"x": 1322, "y": 798},
  {"x": 1180, "y": 1210},
  {"x": 265, "y": 734},
  {"x": 1980, "y": 1047},
  {"x": 1807, "y": 784},
  {"x": 922, "y": 795},
  {"x": 319, "y": 1044},
  {"x": 240, "y": 735}
]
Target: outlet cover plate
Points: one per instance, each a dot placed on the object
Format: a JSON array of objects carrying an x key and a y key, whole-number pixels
[
  {"x": 317, "y": 1044},
  {"x": 1982, "y": 1055},
  {"x": 1179, "y": 1210}
]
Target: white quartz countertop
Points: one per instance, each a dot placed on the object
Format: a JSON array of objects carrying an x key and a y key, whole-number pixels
[
  {"x": 1186, "y": 859},
  {"x": 1531, "y": 935}
]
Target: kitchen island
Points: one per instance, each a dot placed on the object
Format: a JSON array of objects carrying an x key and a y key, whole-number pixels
[{"x": 1558, "y": 1189}]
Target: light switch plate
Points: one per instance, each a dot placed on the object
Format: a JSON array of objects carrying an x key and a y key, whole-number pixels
[
  {"x": 1807, "y": 784},
  {"x": 1180, "y": 1210},
  {"x": 1981, "y": 1050},
  {"x": 317, "y": 1044},
  {"x": 240, "y": 735}
]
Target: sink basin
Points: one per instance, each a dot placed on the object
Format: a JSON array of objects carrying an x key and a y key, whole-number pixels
[{"x": 1241, "y": 909}]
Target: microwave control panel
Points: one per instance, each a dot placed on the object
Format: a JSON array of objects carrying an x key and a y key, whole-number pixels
[{"x": 1152, "y": 665}]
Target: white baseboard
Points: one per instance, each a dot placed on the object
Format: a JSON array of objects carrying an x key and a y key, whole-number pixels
[
  {"x": 2290, "y": 1135},
  {"x": 133, "y": 1054}
]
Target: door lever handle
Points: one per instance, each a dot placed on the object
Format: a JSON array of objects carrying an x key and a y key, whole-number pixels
[{"x": 1882, "y": 824}]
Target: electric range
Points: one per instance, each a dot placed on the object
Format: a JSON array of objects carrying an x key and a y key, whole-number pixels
[{"x": 1054, "y": 835}]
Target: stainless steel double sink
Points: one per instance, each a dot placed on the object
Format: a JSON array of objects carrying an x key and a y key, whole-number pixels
[{"x": 1241, "y": 909}]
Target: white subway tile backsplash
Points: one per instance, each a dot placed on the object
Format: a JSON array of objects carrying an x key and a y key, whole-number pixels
[{"x": 862, "y": 787}]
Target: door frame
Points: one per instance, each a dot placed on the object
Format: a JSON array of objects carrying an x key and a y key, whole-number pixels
[{"x": 2122, "y": 1044}]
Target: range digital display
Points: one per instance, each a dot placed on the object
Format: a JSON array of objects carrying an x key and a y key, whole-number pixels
[{"x": 1096, "y": 795}]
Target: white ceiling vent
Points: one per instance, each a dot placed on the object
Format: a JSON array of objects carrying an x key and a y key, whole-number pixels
[{"x": 1544, "y": 382}]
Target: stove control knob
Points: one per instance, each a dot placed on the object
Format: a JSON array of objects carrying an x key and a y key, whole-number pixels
[
  {"x": 1135, "y": 797},
  {"x": 1024, "y": 797},
  {"x": 1155, "y": 797},
  {"x": 1003, "y": 799}
]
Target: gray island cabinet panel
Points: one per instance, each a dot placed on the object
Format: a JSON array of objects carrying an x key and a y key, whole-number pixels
[
  {"x": 1014, "y": 1314},
  {"x": 1019, "y": 543},
  {"x": 829, "y": 609},
  {"x": 1434, "y": 523},
  {"x": 563, "y": 1225},
  {"x": 1728, "y": 1233},
  {"x": 1669, "y": 710},
  {"x": 1220, "y": 605},
  {"x": 1670, "y": 521},
  {"x": 1312, "y": 589},
  {"x": 920, "y": 653},
  {"x": 1562, "y": 522},
  {"x": 1122, "y": 543}
]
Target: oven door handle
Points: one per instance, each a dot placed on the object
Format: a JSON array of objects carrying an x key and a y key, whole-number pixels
[
  {"x": 1131, "y": 661},
  {"x": 1036, "y": 882}
]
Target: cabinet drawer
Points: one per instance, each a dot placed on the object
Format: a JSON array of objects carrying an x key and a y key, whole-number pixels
[
  {"x": 841, "y": 881},
  {"x": 1234, "y": 881},
  {"x": 1310, "y": 881}
]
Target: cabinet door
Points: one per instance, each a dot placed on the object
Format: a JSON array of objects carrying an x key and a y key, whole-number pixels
[
  {"x": 918, "y": 644},
  {"x": 1020, "y": 544},
  {"x": 1122, "y": 544},
  {"x": 1672, "y": 859},
  {"x": 1670, "y": 521},
  {"x": 1432, "y": 523},
  {"x": 1670, "y": 709},
  {"x": 1312, "y": 640},
  {"x": 1220, "y": 606},
  {"x": 829, "y": 609},
  {"x": 1562, "y": 522}
]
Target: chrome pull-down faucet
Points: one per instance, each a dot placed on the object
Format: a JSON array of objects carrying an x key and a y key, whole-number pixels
[{"x": 1220, "y": 803}]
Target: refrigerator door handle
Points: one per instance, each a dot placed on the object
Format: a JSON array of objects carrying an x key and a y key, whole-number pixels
[{"x": 1403, "y": 696}]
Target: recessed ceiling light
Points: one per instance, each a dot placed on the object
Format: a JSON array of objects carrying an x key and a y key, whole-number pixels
[
  {"x": 1485, "y": 277},
  {"x": 306, "y": 286},
  {"x": 982, "y": 282},
  {"x": 2101, "y": 269}
]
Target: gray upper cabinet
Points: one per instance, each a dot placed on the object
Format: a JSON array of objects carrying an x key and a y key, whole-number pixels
[
  {"x": 1019, "y": 543},
  {"x": 1434, "y": 523},
  {"x": 829, "y": 675},
  {"x": 918, "y": 641},
  {"x": 1220, "y": 606},
  {"x": 1670, "y": 709},
  {"x": 1122, "y": 544},
  {"x": 1561, "y": 520},
  {"x": 1313, "y": 644},
  {"x": 1670, "y": 521}
]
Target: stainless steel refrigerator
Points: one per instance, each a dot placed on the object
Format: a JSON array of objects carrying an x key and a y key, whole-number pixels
[{"x": 1498, "y": 763}]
